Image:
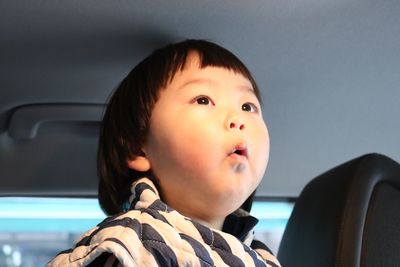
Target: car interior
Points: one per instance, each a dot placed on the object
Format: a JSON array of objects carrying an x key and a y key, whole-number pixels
[{"x": 328, "y": 72}]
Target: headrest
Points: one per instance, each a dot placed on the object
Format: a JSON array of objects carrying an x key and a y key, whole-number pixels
[{"x": 327, "y": 223}]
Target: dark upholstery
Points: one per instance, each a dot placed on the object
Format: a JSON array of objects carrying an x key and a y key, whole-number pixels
[{"x": 348, "y": 216}]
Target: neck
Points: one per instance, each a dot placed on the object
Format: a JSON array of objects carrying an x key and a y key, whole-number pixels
[{"x": 215, "y": 223}]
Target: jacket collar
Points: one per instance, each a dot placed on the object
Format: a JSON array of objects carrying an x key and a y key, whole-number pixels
[{"x": 146, "y": 196}]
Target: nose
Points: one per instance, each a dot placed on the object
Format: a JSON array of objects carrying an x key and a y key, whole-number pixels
[{"x": 235, "y": 123}]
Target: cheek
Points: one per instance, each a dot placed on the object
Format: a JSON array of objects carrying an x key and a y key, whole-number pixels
[
  {"x": 266, "y": 141},
  {"x": 262, "y": 145},
  {"x": 179, "y": 146},
  {"x": 196, "y": 146}
]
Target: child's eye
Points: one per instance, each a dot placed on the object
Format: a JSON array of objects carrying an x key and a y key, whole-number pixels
[
  {"x": 203, "y": 100},
  {"x": 250, "y": 107}
]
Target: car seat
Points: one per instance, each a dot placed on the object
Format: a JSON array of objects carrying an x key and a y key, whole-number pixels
[{"x": 348, "y": 216}]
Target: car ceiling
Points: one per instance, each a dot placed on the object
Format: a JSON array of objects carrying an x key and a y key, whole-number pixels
[{"x": 329, "y": 72}]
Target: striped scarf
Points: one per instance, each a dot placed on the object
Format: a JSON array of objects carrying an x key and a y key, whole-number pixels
[{"x": 152, "y": 234}]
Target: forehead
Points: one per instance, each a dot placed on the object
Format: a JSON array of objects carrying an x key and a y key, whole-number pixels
[{"x": 192, "y": 72}]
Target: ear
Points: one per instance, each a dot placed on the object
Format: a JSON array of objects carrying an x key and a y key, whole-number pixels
[{"x": 139, "y": 163}]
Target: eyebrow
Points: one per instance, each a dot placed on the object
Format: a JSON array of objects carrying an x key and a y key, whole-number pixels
[{"x": 244, "y": 88}]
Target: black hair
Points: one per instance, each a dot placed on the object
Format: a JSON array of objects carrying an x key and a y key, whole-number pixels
[{"x": 125, "y": 124}]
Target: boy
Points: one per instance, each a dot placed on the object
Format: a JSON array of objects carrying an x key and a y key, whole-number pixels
[{"x": 182, "y": 146}]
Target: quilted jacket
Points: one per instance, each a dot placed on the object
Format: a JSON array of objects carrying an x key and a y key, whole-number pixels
[{"x": 152, "y": 234}]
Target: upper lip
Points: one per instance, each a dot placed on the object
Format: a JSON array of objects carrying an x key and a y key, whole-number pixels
[{"x": 240, "y": 149}]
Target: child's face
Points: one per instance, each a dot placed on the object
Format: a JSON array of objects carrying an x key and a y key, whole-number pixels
[{"x": 201, "y": 118}]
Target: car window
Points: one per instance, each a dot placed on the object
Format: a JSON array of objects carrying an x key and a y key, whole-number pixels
[
  {"x": 273, "y": 216},
  {"x": 33, "y": 230}
]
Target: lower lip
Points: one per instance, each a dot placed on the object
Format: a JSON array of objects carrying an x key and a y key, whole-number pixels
[{"x": 237, "y": 156}]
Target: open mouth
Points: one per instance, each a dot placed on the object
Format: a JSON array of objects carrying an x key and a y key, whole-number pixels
[{"x": 240, "y": 150}]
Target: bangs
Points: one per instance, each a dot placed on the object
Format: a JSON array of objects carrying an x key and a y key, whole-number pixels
[{"x": 169, "y": 60}]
